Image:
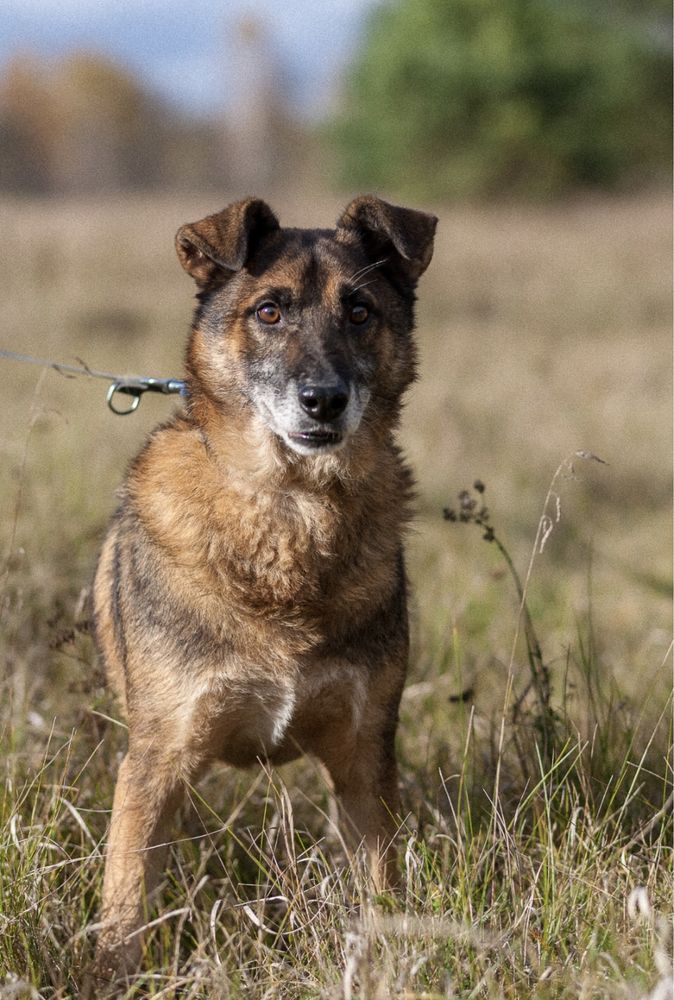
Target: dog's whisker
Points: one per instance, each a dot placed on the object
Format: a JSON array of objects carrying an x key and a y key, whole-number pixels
[
  {"x": 363, "y": 285},
  {"x": 357, "y": 275},
  {"x": 364, "y": 271}
]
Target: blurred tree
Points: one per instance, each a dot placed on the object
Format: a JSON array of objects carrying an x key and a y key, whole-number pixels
[
  {"x": 479, "y": 97},
  {"x": 263, "y": 139},
  {"x": 84, "y": 124},
  {"x": 27, "y": 127},
  {"x": 110, "y": 129}
]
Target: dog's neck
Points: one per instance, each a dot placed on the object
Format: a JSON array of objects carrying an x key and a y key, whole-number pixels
[{"x": 276, "y": 521}]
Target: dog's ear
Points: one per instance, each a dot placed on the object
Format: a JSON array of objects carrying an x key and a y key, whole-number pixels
[
  {"x": 220, "y": 244},
  {"x": 385, "y": 228}
]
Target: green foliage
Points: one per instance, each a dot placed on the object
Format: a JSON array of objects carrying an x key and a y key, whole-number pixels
[{"x": 478, "y": 97}]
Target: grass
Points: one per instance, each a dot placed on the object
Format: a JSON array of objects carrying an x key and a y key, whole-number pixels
[{"x": 529, "y": 868}]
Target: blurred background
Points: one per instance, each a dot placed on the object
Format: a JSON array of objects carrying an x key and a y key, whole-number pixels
[
  {"x": 538, "y": 130},
  {"x": 465, "y": 98}
]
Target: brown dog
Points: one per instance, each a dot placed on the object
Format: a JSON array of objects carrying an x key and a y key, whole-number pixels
[{"x": 250, "y": 595}]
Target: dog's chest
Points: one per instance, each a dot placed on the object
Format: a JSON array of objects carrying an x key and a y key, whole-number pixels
[
  {"x": 283, "y": 549},
  {"x": 279, "y": 719}
]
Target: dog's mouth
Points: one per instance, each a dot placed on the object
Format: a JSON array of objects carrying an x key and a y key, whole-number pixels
[{"x": 316, "y": 439}]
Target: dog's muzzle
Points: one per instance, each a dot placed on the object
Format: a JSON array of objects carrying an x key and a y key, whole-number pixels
[
  {"x": 313, "y": 416},
  {"x": 324, "y": 404}
]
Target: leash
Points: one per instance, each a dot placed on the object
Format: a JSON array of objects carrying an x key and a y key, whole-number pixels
[{"x": 128, "y": 385}]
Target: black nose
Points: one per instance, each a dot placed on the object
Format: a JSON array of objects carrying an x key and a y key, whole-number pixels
[{"x": 323, "y": 402}]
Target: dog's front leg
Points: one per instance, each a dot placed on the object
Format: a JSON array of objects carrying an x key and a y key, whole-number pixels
[
  {"x": 147, "y": 794},
  {"x": 365, "y": 782},
  {"x": 367, "y": 812}
]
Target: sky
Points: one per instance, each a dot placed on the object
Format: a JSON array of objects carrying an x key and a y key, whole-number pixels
[{"x": 184, "y": 49}]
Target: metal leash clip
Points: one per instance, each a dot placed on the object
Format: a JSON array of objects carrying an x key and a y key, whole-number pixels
[
  {"x": 135, "y": 387},
  {"x": 131, "y": 385}
]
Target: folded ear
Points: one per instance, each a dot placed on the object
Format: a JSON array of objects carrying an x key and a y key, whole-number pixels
[
  {"x": 384, "y": 228},
  {"x": 223, "y": 242}
]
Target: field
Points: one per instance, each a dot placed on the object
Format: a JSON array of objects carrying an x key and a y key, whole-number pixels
[{"x": 536, "y": 836}]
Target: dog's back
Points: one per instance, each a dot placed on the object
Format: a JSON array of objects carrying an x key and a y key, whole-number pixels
[{"x": 250, "y": 594}]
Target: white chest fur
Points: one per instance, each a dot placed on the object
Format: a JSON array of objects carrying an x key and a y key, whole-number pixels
[{"x": 270, "y": 717}]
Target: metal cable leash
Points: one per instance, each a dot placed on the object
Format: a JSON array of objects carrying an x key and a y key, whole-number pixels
[{"x": 130, "y": 385}]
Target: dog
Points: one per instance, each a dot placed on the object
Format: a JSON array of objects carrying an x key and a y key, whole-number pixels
[{"x": 249, "y": 601}]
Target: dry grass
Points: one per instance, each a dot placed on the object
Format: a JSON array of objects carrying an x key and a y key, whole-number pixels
[{"x": 543, "y": 331}]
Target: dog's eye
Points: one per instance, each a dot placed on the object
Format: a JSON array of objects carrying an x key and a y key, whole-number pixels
[
  {"x": 268, "y": 313},
  {"x": 359, "y": 314}
]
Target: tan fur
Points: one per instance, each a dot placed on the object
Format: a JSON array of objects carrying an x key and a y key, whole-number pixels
[{"x": 250, "y": 601}]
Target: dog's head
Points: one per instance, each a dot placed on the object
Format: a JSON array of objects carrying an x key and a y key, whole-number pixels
[{"x": 310, "y": 331}]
